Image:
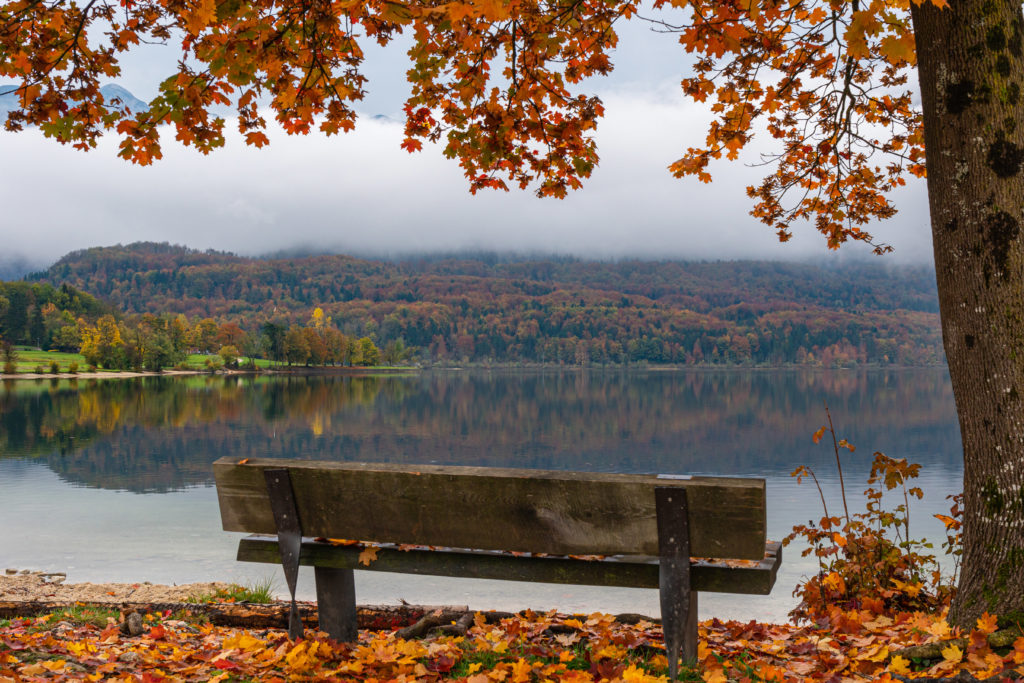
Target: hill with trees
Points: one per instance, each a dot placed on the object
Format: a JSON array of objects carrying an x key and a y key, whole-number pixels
[
  {"x": 40, "y": 314},
  {"x": 489, "y": 308}
]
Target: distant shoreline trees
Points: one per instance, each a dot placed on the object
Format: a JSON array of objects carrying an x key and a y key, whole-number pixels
[{"x": 319, "y": 310}]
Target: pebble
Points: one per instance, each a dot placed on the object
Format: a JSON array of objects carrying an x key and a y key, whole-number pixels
[
  {"x": 132, "y": 624},
  {"x": 62, "y": 627}
]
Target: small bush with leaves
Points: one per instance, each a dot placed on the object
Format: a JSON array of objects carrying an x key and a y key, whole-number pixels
[
  {"x": 868, "y": 559},
  {"x": 73, "y": 367},
  {"x": 10, "y": 356},
  {"x": 54, "y": 367}
]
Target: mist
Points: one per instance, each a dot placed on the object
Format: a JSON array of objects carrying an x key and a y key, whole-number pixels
[{"x": 360, "y": 193}]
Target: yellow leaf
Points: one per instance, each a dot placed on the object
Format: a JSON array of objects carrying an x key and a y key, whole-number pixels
[
  {"x": 521, "y": 671},
  {"x": 899, "y": 48},
  {"x": 242, "y": 641},
  {"x": 835, "y": 582},
  {"x": 635, "y": 674},
  {"x": 911, "y": 589},
  {"x": 939, "y": 628},
  {"x": 716, "y": 675},
  {"x": 899, "y": 665},
  {"x": 953, "y": 654},
  {"x": 368, "y": 555}
]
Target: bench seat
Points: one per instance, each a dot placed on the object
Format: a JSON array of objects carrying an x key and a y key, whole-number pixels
[{"x": 629, "y": 571}]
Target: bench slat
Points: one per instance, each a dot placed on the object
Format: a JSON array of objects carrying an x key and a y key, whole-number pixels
[
  {"x": 755, "y": 578},
  {"x": 558, "y": 513}
]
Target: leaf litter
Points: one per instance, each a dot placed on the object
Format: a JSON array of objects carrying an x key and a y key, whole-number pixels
[{"x": 848, "y": 645}]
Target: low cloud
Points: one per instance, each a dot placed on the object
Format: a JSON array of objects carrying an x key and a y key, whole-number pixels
[{"x": 361, "y": 193}]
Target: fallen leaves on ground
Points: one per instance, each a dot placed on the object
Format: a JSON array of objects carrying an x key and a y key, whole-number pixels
[{"x": 531, "y": 648}]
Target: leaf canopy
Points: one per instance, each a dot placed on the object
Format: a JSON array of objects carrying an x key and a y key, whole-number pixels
[{"x": 498, "y": 83}]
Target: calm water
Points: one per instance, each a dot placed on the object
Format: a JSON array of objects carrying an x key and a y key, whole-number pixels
[{"x": 110, "y": 480}]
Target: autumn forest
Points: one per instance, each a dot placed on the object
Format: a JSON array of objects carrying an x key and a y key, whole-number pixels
[{"x": 331, "y": 309}]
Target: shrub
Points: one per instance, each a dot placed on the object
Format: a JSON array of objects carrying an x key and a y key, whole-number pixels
[
  {"x": 868, "y": 559},
  {"x": 10, "y": 368},
  {"x": 38, "y": 369},
  {"x": 91, "y": 368},
  {"x": 54, "y": 367},
  {"x": 73, "y": 367},
  {"x": 229, "y": 356}
]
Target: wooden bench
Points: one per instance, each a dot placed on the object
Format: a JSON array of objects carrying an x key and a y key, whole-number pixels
[{"x": 521, "y": 525}]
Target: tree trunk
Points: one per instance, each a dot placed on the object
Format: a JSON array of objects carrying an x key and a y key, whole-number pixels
[{"x": 971, "y": 71}]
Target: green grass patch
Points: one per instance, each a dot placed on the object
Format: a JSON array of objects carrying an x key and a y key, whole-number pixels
[
  {"x": 79, "y": 615},
  {"x": 29, "y": 359},
  {"x": 261, "y": 591}
]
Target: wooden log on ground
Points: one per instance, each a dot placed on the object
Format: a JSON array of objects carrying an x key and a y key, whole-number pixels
[
  {"x": 237, "y": 614},
  {"x": 999, "y": 639},
  {"x": 414, "y": 620}
]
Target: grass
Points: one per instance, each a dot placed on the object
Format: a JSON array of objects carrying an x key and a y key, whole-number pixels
[
  {"x": 197, "y": 361},
  {"x": 261, "y": 591},
  {"x": 29, "y": 359},
  {"x": 80, "y": 615}
]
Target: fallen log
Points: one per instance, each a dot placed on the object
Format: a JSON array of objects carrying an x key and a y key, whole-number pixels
[
  {"x": 409, "y": 621},
  {"x": 237, "y": 614},
  {"x": 998, "y": 639}
]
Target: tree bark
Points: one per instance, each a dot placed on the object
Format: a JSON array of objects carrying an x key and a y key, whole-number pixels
[{"x": 971, "y": 72}]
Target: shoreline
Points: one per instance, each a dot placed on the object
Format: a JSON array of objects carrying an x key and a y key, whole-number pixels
[
  {"x": 359, "y": 371},
  {"x": 131, "y": 374}
]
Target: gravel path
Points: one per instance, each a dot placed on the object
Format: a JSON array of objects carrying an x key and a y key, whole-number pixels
[{"x": 28, "y": 586}]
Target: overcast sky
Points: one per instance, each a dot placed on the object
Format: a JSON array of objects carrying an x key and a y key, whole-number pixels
[{"x": 360, "y": 192}]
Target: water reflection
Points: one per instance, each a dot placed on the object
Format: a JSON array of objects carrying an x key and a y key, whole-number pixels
[
  {"x": 74, "y": 456},
  {"x": 162, "y": 434}
]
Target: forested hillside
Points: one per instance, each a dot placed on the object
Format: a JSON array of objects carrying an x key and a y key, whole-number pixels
[
  {"x": 494, "y": 309},
  {"x": 43, "y": 315}
]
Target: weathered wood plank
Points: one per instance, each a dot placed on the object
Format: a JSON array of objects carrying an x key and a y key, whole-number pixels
[
  {"x": 563, "y": 513},
  {"x": 754, "y": 578}
]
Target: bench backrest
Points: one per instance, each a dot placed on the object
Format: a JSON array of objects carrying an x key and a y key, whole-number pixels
[{"x": 487, "y": 508}]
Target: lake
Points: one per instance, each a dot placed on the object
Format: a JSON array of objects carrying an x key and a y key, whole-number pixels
[{"x": 110, "y": 479}]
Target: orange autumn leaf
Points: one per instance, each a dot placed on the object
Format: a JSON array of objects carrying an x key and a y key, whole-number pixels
[
  {"x": 987, "y": 623},
  {"x": 368, "y": 555}
]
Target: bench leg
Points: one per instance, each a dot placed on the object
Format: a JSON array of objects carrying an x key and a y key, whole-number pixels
[
  {"x": 289, "y": 537},
  {"x": 678, "y": 602},
  {"x": 336, "y": 603}
]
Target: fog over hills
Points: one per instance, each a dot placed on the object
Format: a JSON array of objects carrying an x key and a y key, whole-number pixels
[{"x": 112, "y": 93}]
